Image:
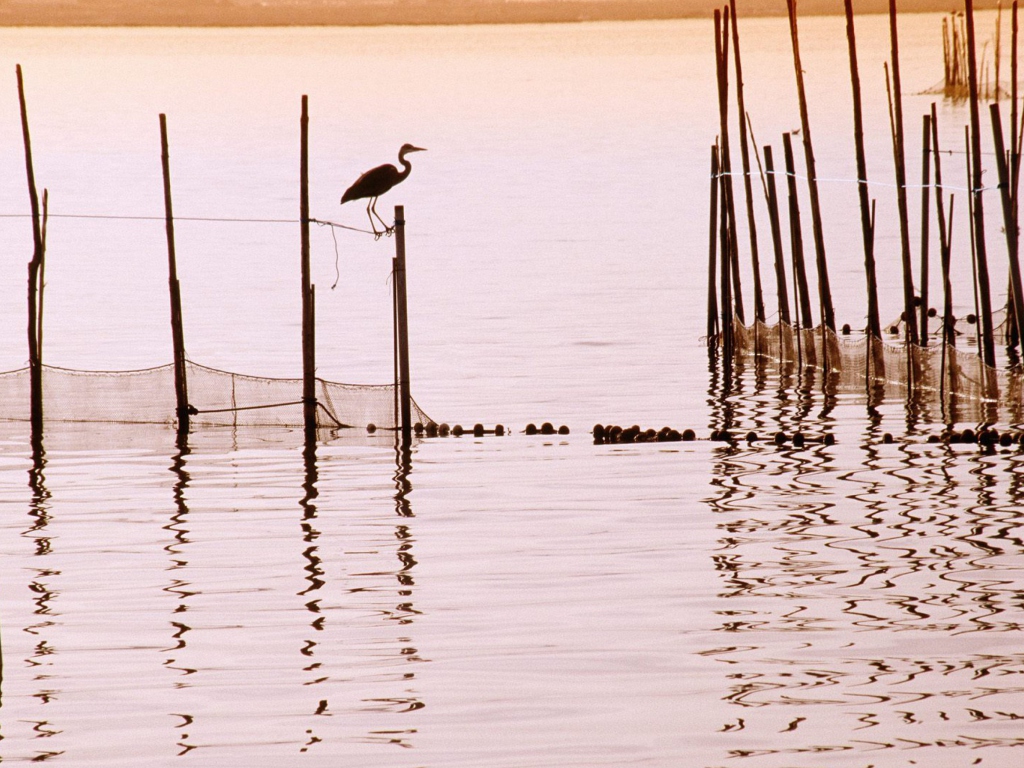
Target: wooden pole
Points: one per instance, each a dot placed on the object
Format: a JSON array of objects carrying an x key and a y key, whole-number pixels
[
  {"x": 308, "y": 313},
  {"x": 899, "y": 158},
  {"x": 974, "y": 246},
  {"x": 725, "y": 163},
  {"x": 796, "y": 238},
  {"x": 712, "y": 251},
  {"x": 177, "y": 331},
  {"x": 725, "y": 285},
  {"x": 773, "y": 218},
  {"x": 405, "y": 398},
  {"x": 867, "y": 231},
  {"x": 745, "y": 159},
  {"x": 926, "y": 145},
  {"x": 1009, "y": 220},
  {"x": 945, "y": 246},
  {"x": 41, "y": 288},
  {"x": 824, "y": 289},
  {"x": 802, "y": 299},
  {"x": 1014, "y": 147},
  {"x": 981, "y": 255},
  {"x": 34, "y": 352},
  {"x": 1015, "y": 160}
]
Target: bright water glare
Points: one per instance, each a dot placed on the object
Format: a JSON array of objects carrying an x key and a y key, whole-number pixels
[{"x": 237, "y": 599}]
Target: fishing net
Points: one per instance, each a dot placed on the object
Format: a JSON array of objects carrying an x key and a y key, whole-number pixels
[
  {"x": 220, "y": 397},
  {"x": 955, "y": 381}
]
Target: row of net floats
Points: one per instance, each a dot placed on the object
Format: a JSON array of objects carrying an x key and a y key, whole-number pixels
[
  {"x": 478, "y": 430},
  {"x": 604, "y": 434}
]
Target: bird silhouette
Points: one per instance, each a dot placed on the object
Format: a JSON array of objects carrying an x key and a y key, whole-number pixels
[{"x": 376, "y": 181}]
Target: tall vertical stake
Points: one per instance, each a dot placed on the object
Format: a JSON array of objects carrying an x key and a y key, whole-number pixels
[
  {"x": 867, "y": 231},
  {"x": 725, "y": 161},
  {"x": 745, "y": 160},
  {"x": 926, "y": 146},
  {"x": 945, "y": 247},
  {"x": 308, "y": 316},
  {"x": 34, "y": 353},
  {"x": 177, "y": 331},
  {"x": 899, "y": 157},
  {"x": 725, "y": 306},
  {"x": 1009, "y": 220},
  {"x": 802, "y": 299},
  {"x": 828, "y": 316},
  {"x": 981, "y": 254},
  {"x": 402, "y": 316},
  {"x": 712, "y": 251},
  {"x": 773, "y": 218}
]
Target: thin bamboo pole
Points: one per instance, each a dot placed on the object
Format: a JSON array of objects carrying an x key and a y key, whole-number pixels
[
  {"x": 899, "y": 158},
  {"x": 803, "y": 297},
  {"x": 404, "y": 397},
  {"x": 926, "y": 145},
  {"x": 824, "y": 289},
  {"x": 1009, "y": 220},
  {"x": 177, "y": 331},
  {"x": 773, "y": 218},
  {"x": 725, "y": 284},
  {"x": 987, "y": 331},
  {"x": 867, "y": 232},
  {"x": 42, "y": 275},
  {"x": 1014, "y": 147},
  {"x": 745, "y": 160},
  {"x": 34, "y": 352},
  {"x": 945, "y": 246},
  {"x": 725, "y": 162},
  {"x": 971, "y": 199},
  {"x": 308, "y": 311},
  {"x": 712, "y": 251}
]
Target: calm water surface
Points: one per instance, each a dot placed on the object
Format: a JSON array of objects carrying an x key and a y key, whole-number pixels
[{"x": 525, "y": 601}]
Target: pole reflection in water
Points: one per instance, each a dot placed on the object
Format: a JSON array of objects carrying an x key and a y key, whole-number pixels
[
  {"x": 314, "y": 572},
  {"x": 870, "y": 593},
  {"x": 178, "y": 587},
  {"x": 404, "y": 613},
  {"x": 42, "y": 659}
]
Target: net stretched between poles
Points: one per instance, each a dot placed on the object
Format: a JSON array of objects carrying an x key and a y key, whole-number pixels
[
  {"x": 953, "y": 380},
  {"x": 221, "y": 398}
]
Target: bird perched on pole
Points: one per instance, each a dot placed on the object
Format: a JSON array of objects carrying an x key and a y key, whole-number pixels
[{"x": 376, "y": 181}]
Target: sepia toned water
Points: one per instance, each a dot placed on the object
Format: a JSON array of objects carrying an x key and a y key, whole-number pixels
[{"x": 238, "y": 600}]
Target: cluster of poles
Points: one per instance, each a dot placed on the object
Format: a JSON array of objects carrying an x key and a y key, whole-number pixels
[
  {"x": 184, "y": 409},
  {"x": 725, "y": 299}
]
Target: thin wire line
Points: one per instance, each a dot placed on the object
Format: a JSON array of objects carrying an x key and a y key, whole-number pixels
[
  {"x": 216, "y": 219},
  {"x": 860, "y": 181}
]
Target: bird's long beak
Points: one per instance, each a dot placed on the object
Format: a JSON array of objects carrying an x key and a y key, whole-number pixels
[{"x": 418, "y": 149}]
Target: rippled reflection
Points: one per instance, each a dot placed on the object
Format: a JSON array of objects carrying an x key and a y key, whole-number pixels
[
  {"x": 44, "y": 594},
  {"x": 869, "y": 593},
  {"x": 179, "y": 587},
  {"x": 313, "y": 568}
]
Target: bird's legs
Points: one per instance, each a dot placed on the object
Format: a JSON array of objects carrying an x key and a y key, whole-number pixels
[
  {"x": 387, "y": 230},
  {"x": 373, "y": 226}
]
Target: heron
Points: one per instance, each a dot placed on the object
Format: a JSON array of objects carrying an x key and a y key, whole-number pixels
[{"x": 376, "y": 181}]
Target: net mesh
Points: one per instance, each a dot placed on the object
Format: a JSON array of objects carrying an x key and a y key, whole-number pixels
[
  {"x": 221, "y": 397},
  {"x": 953, "y": 379}
]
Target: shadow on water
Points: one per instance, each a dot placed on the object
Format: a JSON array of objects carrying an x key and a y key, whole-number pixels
[
  {"x": 44, "y": 594},
  {"x": 870, "y": 592},
  {"x": 178, "y": 587}
]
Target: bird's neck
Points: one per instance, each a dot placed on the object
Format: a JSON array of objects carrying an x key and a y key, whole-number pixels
[{"x": 406, "y": 166}]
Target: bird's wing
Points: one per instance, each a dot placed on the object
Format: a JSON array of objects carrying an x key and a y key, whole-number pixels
[{"x": 375, "y": 181}]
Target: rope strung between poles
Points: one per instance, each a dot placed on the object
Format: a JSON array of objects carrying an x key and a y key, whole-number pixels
[
  {"x": 216, "y": 219},
  {"x": 856, "y": 181}
]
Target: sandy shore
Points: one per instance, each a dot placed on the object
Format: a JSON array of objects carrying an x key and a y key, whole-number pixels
[{"x": 217, "y": 13}]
